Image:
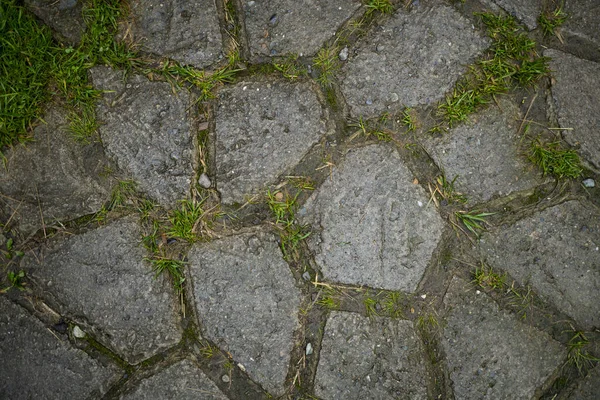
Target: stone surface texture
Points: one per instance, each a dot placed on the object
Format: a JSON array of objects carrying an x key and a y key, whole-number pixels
[
  {"x": 37, "y": 365},
  {"x": 63, "y": 16},
  {"x": 101, "y": 276},
  {"x": 149, "y": 132},
  {"x": 421, "y": 55},
  {"x": 247, "y": 303},
  {"x": 558, "y": 252},
  {"x": 262, "y": 130},
  {"x": 588, "y": 388},
  {"x": 372, "y": 226},
  {"x": 583, "y": 19},
  {"x": 364, "y": 358},
  {"x": 490, "y": 353},
  {"x": 526, "y": 11}
]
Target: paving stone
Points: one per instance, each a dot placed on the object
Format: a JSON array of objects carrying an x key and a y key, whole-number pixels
[
  {"x": 576, "y": 93},
  {"x": 583, "y": 19},
  {"x": 101, "y": 276},
  {"x": 558, "y": 251},
  {"x": 247, "y": 303},
  {"x": 422, "y": 54},
  {"x": 526, "y": 11},
  {"x": 490, "y": 353},
  {"x": 37, "y": 365},
  {"x": 184, "y": 30},
  {"x": 182, "y": 380},
  {"x": 484, "y": 155},
  {"x": 263, "y": 129},
  {"x": 370, "y": 359},
  {"x": 278, "y": 27},
  {"x": 149, "y": 133},
  {"x": 588, "y": 388},
  {"x": 64, "y": 16},
  {"x": 53, "y": 174},
  {"x": 372, "y": 225}
]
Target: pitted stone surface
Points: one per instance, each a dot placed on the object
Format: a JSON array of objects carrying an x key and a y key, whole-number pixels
[
  {"x": 64, "y": 16},
  {"x": 484, "y": 155},
  {"x": 101, "y": 275},
  {"x": 263, "y": 129},
  {"x": 182, "y": 381},
  {"x": 588, "y": 388},
  {"x": 53, "y": 176},
  {"x": 184, "y": 30},
  {"x": 576, "y": 93},
  {"x": 247, "y": 303},
  {"x": 372, "y": 224},
  {"x": 421, "y": 55},
  {"x": 583, "y": 20},
  {"x": 279, "y": 27},
  {"x": 490, "y": 353},
  {"x": 526, "y": 11},
  {"x": 558, "y": 252},
  {"x": 37, "y": 365},
  {"x": 370, "y": 359},
  {"x": 149, "y": 133}
]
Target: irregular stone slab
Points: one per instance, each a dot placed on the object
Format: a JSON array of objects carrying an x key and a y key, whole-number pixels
[
  {"x": 102, "y": 276},
  {"x": 148, "y": 131},
  {"x": 558, "y": 252},
  {"x": 588, "y": 388},
  {"x": 64, "y": 16},
  {"x": 52, "y": 179},
  {"x": 182, "y": 380},
  {"x": 526, "y": 11},
  {"x": 184, "y": 30},
  {"x": 583, "y": 19},
  {"x": 374, "y": 225},
  {"x": 279, "y": 27},
  {"x": 413, "y": 59},
  {"x": 263, "y": 129},
  {"x": 247, "y": 303},
  {"x": 37, "y": 365},
  {"x": 576, "y": 93},
  {"x": 484, "y": 155},
  {"x": 370, "y": 359},
  {"x": 490, "y": 353}
]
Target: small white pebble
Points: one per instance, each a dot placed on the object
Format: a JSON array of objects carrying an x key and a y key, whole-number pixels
[
  {"x": 477, "y": 292},
  {"x": 420, "y": 203},
  {"x": 423, "y": 296},
  {"x": 241, "y": 366}
]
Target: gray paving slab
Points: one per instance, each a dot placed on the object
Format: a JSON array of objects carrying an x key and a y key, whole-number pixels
[
  {"x": 364, "y": 358},
  {"x": 184, "y": 30},
  {"x": 588, "y": 388},
  {"x": 583, "y": 17},
  {"x": 490, "y": 353},
  {"x": 412, "y": 59},
  {"x": 576, "y": 94},
  {"x": 63, "y": 16},
  {"x": 372, "y": 226},
  {"x": 278, "y": 27},
  {"x": 101, "y": 276},
  {"x": 526, "y": 11},
  {"x": 38, "y": 365},
  {"x": 247, "y": 302},
  {"x": 558, "y": 251},
  {"x": 149, "y": 132},
  {"x": 263, "y": 129}
]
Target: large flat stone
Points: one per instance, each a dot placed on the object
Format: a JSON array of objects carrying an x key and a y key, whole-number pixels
[
  {"x": 576, "y": 93},
  {"x": 372, "y": 224},
  {"x": 558, "y": 252},
  {"x": 526, "y": 11},
  {"x": 370, "y": 359},
  {"x": 278, "y": 27},
  {"x": 583, "y": 19},
  {"x": 263, "y": 129},
  {"x": 101, "y": 276},
  {"x": 247, "y": 303},
  {"x": 184, "y": 30},
  {"x": 413, "y": 59},
  {"x": 148, "y": 131},
  {"x": 37, "y": 365},
  {"x": 64, "y": 16},
  {"x": 490, "y": 353}
]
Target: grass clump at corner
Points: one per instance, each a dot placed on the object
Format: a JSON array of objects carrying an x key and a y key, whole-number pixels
[
  {"x": 327, "y": 63},
  {"x": 174, "y": 268},
  {"x": 382, "y": 6},
  {"x": 474, "y": 222},
  {"x": 578, "y": 355},
  {"x": 486, "y": 277},
  {"x": 283, "y": 207},
  {"x": 550, "y": 21},
  {"x": 192, "y": 222},
  {"x": 291, "y": 68},
  {"x": 555, "y": 160}
]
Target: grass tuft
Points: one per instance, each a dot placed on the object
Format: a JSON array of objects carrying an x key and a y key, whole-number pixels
[
  {"x": 187, "y": 220},
  {"x": 550, "y": 21},
  {"x": 553, "y": 159},
  {"x": 327, "y": 63},
  {"x": 473, "y": 221},
  {"x": 174, "y": 268},
  {"x": 283, "y": 208},
  {"x": 578, "y": 355},
  {"x": 382, "y": 6},
  {"x": 485, "y": 277}
]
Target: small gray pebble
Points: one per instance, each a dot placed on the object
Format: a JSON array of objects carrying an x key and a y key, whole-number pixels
[
  {"x": 225, "y": 378},
  {"x": 204, "y": 181},
  {"x": 309, "y": 349},
  {"x": 343, "y": 54},
  {"x": 369, "y": 102},
  {"x": 306, "y": 276},
  {"x": 589, "y": 183},
  {"x": 380, "y": 47}
]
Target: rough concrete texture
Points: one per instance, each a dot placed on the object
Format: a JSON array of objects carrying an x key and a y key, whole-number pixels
[
  {"x": 38, "y": 365},
  {"x": 364, "y": 358},
  {"x": 101, "y": 276},
  {"x": 526, "y": 11},
  {"x": 576, "y": 93},
  {"x": 63, "y": 16},
  {"x": 588, "y": 388},
  {"x": 149, "y": 132},
  {"x": 278, "y": 27},
  {"x": 184, "y": 30},
  {"x": 413, "y": 59},
  {"x": 484, "y": 155},
  {"x": 262, "y": 130},
  {"x": 247, "y": 303},
  {"x": 53, "y": 178},
  {"x": 182, "y": 381},
  {"x": 372, "y": 224},
  {"x": 583, "y": 19},
  {"x": 558, "y": 252},
  {"x": 490, "y": 353}
]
